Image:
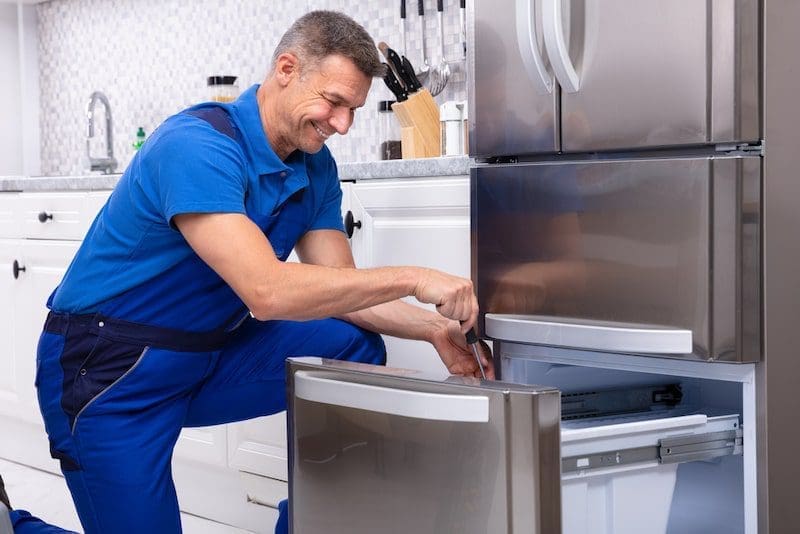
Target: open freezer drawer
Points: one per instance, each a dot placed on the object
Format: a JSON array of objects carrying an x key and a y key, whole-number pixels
[{"x": 375, "y": 449}]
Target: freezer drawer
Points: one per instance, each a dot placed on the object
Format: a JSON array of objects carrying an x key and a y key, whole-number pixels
[
  {"x": 650, "y": 256},
  {"x": 382, "y": 450},
  {"x": 395, "y": 451}
]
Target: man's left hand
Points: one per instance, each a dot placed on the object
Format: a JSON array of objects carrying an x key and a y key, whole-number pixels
[{"x": 452, "y": 347}]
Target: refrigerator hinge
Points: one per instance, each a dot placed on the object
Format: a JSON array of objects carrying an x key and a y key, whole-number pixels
[
  {"x": 668, "y": 451},
  {"x": 700, "y": 446},
  {"x": 741, "y": 149}
]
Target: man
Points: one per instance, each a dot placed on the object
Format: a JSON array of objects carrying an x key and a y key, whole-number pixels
[{"x": 178, "y": 309}]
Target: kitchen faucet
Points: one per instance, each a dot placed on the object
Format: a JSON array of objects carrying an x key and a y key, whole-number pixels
[{"x": 107, "y": 164}]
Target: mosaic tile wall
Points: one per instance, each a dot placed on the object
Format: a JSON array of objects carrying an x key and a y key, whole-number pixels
[{"x": 151, "y": 58}]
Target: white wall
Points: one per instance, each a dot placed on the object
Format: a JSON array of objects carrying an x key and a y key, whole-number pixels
[{"x": 10, "y": 93}]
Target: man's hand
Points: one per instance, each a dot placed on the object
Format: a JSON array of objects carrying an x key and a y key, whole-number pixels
[
  {"x": 452, "y": 347},
  {"x": 453, "y": 296}
]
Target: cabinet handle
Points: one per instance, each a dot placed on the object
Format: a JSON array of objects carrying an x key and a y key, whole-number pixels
[
  {"x": 16, "y": 268},
  {"x": 350, "y": 224},
  {"x": 43, "y": 216}
]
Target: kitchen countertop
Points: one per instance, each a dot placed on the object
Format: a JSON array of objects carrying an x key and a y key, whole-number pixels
[{"x": 369, "y": 170}]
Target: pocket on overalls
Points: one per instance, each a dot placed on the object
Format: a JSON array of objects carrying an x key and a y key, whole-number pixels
[{"x": 108, "y": 362}]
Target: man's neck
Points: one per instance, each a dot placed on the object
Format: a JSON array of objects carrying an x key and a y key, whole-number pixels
[{"x": 269, "y": 120}]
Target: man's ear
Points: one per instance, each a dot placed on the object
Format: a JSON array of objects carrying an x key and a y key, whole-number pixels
[{"x": 287, "y": 66}]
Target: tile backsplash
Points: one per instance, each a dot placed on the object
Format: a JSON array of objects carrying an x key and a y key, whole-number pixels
[{"x": 151, "y": 58}]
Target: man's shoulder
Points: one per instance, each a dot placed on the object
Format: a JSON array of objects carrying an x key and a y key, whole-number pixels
[{"x": 196, "y": 126}]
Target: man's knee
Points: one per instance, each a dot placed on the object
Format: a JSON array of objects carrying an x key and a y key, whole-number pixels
[{"x": 359, "y": 345}]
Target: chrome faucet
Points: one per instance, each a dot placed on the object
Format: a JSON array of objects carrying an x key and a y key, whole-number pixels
[{"x": 107, "y": 164}]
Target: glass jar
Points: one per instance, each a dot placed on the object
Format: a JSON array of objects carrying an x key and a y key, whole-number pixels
[
  {"x": 222, "y": 88},
  {"x": 389, "y": 132}
]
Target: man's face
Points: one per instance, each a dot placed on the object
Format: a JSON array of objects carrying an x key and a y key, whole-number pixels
[{"x": 322, "y": 101}]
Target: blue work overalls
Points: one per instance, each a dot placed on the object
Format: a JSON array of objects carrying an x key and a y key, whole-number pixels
[{"x": 115, "y": 393}]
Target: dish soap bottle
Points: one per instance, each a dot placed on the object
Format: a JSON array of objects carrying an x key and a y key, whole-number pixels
[{"x": 140, "y": 135}]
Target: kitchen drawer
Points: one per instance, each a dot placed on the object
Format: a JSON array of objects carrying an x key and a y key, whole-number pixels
[
  {"x": 58, "y": 215},
  {"x": 8, "y": 215}
]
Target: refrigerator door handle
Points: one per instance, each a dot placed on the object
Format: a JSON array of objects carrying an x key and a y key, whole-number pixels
[
  {"x": 529, "y": 47},
  {"x": 639, "y": 339},
  {"x": 391, "y": 401},
  {"x": 553, "y": 29}
]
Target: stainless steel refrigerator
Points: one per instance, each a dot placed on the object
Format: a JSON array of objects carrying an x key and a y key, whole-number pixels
[{"x": 632, "y": 250}]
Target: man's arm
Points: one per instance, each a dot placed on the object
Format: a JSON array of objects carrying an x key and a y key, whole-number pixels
[
  {"x": 395, "y": 318},
  {"x": 238, "y": 251}
]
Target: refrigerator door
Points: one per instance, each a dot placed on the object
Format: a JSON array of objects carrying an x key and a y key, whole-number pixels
[
  {"x": 387, "y": 450},
  {"x": 618, "y": 255},
  {"x": 512, "y": 91},
  {"x": 649, "y": 73}
]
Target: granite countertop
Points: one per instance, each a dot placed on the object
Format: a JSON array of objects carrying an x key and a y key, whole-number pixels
[{"x": 369, "y": 170}]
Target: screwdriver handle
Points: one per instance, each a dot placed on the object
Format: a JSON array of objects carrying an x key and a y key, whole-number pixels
[{"x": 471, "y": 336}]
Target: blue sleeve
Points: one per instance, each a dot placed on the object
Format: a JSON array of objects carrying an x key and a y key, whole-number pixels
[
  {"x": 329, "y": 213},
  {"x": 197, "y": 170}
]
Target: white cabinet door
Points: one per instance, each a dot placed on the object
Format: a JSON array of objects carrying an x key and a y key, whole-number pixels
[
  {"x": 259, "y": 446},
  {"x": 45, "y": 263},
  {"x": 422, "y": 222},
  {"x": 10, "y": 400}
]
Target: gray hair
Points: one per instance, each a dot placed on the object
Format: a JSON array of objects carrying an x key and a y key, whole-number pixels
[{"x": 319, "y": 34}]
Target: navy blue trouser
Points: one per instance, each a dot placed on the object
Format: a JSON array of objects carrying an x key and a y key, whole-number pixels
[{"x": 114, "y": 397}]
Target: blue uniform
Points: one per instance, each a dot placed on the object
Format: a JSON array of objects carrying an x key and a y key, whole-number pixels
[{"x": 143, "y": 338}]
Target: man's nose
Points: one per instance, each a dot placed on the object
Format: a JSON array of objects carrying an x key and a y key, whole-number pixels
[{"x": 341, "y": 120}]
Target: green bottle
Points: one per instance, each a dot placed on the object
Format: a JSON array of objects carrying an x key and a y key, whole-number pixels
[{"x": 140, "y": 135}]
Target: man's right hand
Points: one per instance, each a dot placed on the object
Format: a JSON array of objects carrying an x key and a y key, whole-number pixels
[{"x": 453, "y": 296}]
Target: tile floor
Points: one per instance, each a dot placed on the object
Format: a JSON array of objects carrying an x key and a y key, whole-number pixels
[{"x": 46, "y": 496}]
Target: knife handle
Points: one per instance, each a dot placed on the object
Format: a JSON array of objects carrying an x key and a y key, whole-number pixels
[
  {"x": 395, "y": 86},
  {"x": 412, "y": 82}
]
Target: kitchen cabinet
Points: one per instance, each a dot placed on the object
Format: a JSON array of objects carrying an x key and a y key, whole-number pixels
[
  {"x": 412, "y": 221},
  {"x": 34, "y": 254},
  {"x": 235, "y": 473}
]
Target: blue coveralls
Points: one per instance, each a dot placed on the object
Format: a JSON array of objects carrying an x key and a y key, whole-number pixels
[{"x": 117, "y": 384}]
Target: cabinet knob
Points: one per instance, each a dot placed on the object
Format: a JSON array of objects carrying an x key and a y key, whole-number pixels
[
  {"x": 43, "y": 216},
  {"x": 350, "y": 224},
  {"x": 17, "y": 268}
]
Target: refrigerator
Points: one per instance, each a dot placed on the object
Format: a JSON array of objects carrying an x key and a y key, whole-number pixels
[{"x": 634, "y": 257}]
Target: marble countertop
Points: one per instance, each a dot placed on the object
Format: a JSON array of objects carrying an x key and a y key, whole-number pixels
[{"x": 369, "y": 170}]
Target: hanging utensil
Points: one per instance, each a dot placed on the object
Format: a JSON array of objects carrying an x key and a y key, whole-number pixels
[
  {"x": 463, "y": 18},
  {"x": 441, "y": 72},
  {"x": 423, "y": 74},
  {"x": 403, "y": 25}
]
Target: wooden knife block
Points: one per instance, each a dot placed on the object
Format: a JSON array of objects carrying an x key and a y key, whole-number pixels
[{"x": 420, "y": 133}]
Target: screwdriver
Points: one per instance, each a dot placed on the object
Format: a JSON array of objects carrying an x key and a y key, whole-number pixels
[{"x": 472, "y": 341}]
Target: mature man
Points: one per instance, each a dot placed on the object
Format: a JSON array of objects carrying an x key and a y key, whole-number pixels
[{"x": 179, "y": 310}]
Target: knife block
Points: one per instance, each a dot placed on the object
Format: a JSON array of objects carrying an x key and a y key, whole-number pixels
[{"x": 420, "y": 133}]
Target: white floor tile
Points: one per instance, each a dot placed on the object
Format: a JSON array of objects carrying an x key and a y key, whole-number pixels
[{"x": 46, "y": 496}]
